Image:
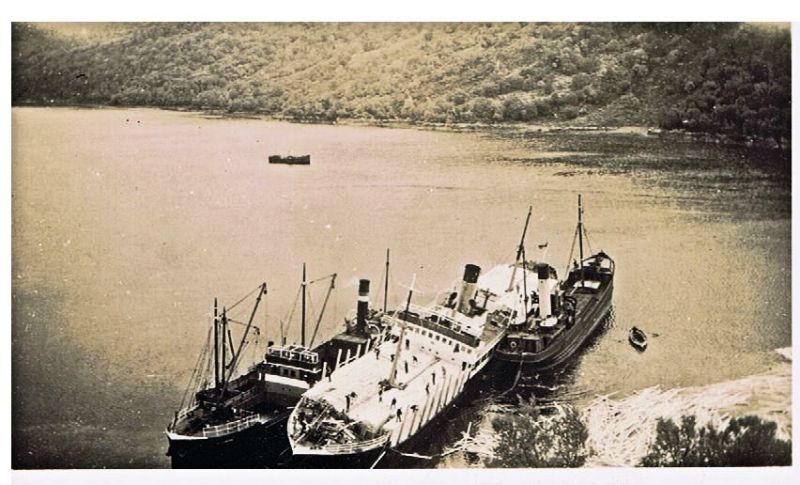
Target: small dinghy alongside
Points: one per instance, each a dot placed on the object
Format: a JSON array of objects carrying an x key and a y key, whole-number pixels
[{"x": 638, "y": 339}]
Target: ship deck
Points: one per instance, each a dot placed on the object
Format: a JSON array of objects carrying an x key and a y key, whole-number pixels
[
  {"x": 584, "y": 300},
  {"x": 364, "y": 375},
  {"x": 415, "y": 387},
  {"x": 491, "y": 334},
  {"x": 438, "y": 364}
]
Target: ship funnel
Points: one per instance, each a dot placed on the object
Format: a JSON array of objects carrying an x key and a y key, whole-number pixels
[
  {"x": 363, "y": 306},
  {"x": 545, "y": 309},
  {"x": 469, "y": 287}
]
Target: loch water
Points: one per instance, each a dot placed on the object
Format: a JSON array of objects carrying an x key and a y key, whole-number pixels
[{"x": 127, "y": 223}]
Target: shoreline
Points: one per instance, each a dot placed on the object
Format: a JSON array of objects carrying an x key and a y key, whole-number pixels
[
  {"x": 506, "y": 128},
  {"x": 621, "y": 429}
]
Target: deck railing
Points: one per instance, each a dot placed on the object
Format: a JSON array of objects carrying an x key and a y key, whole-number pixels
[
  {"x": 237, "y": 400},
  {"x": 418, "y": 318},
  {"x": 232, "y": 427},
  {"x": 345, "y": 448},
  {"x": 185, "y": 412}
]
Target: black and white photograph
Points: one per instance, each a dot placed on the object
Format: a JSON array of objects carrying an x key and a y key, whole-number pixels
[{"x": 400, "y": 245}]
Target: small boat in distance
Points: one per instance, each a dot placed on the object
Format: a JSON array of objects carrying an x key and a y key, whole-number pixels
[
  {"x": 290, "y": 159},
  {"x": 638, "y": 339}
]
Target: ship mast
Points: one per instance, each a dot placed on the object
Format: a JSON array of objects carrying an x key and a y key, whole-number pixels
[
  {"x": 580, "y": 225},
  {"x": 580, "y": 231},
  {"x": 303, "y": 314},
  {"x": 324, "y": 304},
  {"x": 224, "y": 343},
  {"x": 524, "y": 281},
  {"x": 216, "y": 346},
  {"x": 520, "y": 249},
  {"x": 238, "y": 352},
  {"x": 386, "y": 282},
  {"x": 392, "y": 373}
]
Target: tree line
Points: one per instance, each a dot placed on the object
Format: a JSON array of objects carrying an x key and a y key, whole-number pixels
[
  {"x": 525, "y": 440},
  {"x": 728, "y": 79}
]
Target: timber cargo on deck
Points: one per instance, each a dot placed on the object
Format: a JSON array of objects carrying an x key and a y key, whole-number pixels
[{"x": 561, "y": 315}]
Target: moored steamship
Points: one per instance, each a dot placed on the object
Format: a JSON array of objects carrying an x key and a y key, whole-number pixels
[
  {"x": 563, "y": 315},
  {"x": 424, "y": 363},
  {"x": 241, "y": 421}
]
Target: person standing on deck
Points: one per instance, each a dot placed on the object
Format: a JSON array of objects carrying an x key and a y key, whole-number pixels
[
  {"x": 405, "y": 365},
  {"x": 380, "y": 394},
  {"x": 433, "y": 375},
  {"x": 399, "y": 415},
  {"x": 347, "y": 403},
  {"x": 394, "y": 402}
]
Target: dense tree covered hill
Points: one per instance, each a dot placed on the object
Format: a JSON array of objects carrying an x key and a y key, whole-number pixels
[{"x": 722, "y": 78}]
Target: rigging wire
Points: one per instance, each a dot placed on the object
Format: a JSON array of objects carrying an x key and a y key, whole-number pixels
[
  {"x": 571, "y": 250},
  {"x": 254, "y": 358},
  {"x": 196, "y": 370},
  {"x": 588, "y": 243},
  {"x": 251, "y": 345},
  {"x": 320, "y": 279},
  {"x": 230, "y": 346},
  {"x": 383, "y": 288},
  {"x": 311, "y": 312},
  {"x": 331, "y": 288},
  {"x": 202, "y": 368},
  {"x": 290, "y": 315},
  {"x": 207, "y": 369},
  {"x": 336, "y": 302},
  {"x": 244, "y": 298}
]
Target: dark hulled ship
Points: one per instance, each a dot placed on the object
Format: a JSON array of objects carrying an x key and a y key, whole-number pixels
[
  {"x": 241, "y": 422},
  {"x": 561, "y": 315},
  {"x": 290, "y": 159}
]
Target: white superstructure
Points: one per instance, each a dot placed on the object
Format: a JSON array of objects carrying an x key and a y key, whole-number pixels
[{"x": 428, "y": 356}]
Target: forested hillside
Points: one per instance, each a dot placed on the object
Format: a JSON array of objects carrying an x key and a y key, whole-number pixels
[{"x": 728, "y": 78}]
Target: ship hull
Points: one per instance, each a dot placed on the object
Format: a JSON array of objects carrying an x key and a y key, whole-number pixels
[
  {"x": 261, "y": 445},
  {"x": 405, "y": 454},
  {"x": 566, "y": 345},
  {"x": 364, "y": 459},
  {"x": 290, "y": 160}
]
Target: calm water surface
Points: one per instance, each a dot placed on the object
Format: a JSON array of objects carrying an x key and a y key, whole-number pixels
[{"x": 127, "y": 223}]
